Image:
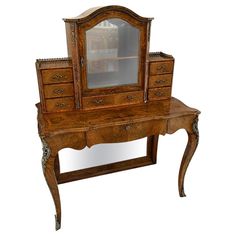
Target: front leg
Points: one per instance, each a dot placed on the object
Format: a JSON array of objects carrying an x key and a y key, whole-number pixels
[
  {"x": 48, "y": 164},
  {"x": 193, "y": 138}
]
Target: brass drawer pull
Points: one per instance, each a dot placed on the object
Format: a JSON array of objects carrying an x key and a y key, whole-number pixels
[
  {"x": 61, "y": 105},
  {"x": 98, "y": 101},
  {"x": 128, "y": 127},
  {"x": 59, "y": 77},
  {"x": 162, "y": 68},
  {"x": 129, "y": 97},
  {"x": 58, "y": 91},
  {"x": 161, "y": 81},
  {"x": 159, "y": 94}
]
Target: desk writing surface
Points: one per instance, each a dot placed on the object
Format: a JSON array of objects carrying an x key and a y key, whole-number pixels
[{"x": 85, "y": 120}]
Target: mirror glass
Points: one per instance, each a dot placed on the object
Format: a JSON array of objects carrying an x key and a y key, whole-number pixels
[{"x": 112, "y": 49}]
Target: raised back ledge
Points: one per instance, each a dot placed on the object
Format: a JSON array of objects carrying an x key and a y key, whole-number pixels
[
  {"x": 159, "y": 56},
  {"x": 50, "y": 63},
  {"x": 93, "y": 12}
]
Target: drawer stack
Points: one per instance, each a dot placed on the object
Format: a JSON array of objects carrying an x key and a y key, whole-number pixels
[
  {"x": 161, "y": 68},
  {"x": 56, "y": 85}
]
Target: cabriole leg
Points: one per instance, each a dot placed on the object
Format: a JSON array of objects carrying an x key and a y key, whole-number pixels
[
  {"x": 48, "y": 164},
  {"x": 193, "y": 138}
]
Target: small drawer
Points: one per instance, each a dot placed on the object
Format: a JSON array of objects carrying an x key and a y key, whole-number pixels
[
  {"x": 60, "y": 104},
  {"x": 112, "y": 100},
  {"x": 159, "y": 93},
  {"x": 158, "y": 68},
  {"x": 160, "y": 80},
  {"x": 53, "y": 76},
  {"x": 58, "y": 90}
]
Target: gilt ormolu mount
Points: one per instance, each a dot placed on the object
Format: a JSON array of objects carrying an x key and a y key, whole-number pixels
[{"x": 110, "y": 89}]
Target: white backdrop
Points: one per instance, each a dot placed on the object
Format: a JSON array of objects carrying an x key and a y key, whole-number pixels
[{"x": 201, "y": 36}]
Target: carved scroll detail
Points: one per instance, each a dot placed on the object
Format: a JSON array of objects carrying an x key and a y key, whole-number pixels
[{"x": 46, "y": 153}]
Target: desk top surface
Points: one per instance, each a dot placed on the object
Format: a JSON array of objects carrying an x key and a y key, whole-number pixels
[{"x": 84, "y": 120}]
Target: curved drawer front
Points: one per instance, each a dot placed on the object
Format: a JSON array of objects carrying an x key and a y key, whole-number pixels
[{"x": 124, "y": 133}]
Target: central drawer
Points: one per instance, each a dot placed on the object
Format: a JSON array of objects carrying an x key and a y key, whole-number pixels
[
  {"x": 126, "y": 132},
  {"x": 112, "y": 100}
]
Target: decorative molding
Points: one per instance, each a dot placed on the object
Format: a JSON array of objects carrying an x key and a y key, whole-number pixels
[
  {"x": 51, "y": 63},
  {"x": 159, "y": 54},
  {"x": 94, "y": 12},
  {"x": 73, "y": 35},
  {"x": 195, "y": 127},
  {"x": 46, "y": 153},
  {"x": 52, "y": 60}
]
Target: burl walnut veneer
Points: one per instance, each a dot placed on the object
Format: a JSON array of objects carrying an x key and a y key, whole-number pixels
[{"x": 110, "y": 89}]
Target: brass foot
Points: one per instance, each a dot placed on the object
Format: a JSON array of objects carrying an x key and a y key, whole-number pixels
[{"x": 58, "y": 223}]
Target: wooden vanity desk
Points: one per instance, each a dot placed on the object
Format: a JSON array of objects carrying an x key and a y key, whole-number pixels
[{"x": 110, "y": 89}]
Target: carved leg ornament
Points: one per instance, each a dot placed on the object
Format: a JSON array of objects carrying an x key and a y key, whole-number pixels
[
  {"x": 193, "y": 138},
  {"x": 48, "y": 164}
]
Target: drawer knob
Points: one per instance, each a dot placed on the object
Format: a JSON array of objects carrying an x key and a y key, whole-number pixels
[
  {"x": 129, "y": 97},
  {"x": 58, "y": 91},
  {"x": 162, "y": 68},
  {"x": 61, "y": 105},
  {"x": 58, "y": 77},
  {"x": 160, "y": 81},
  {"x": 159, "y": 94},
  {"x": 98, "y": 101}
]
